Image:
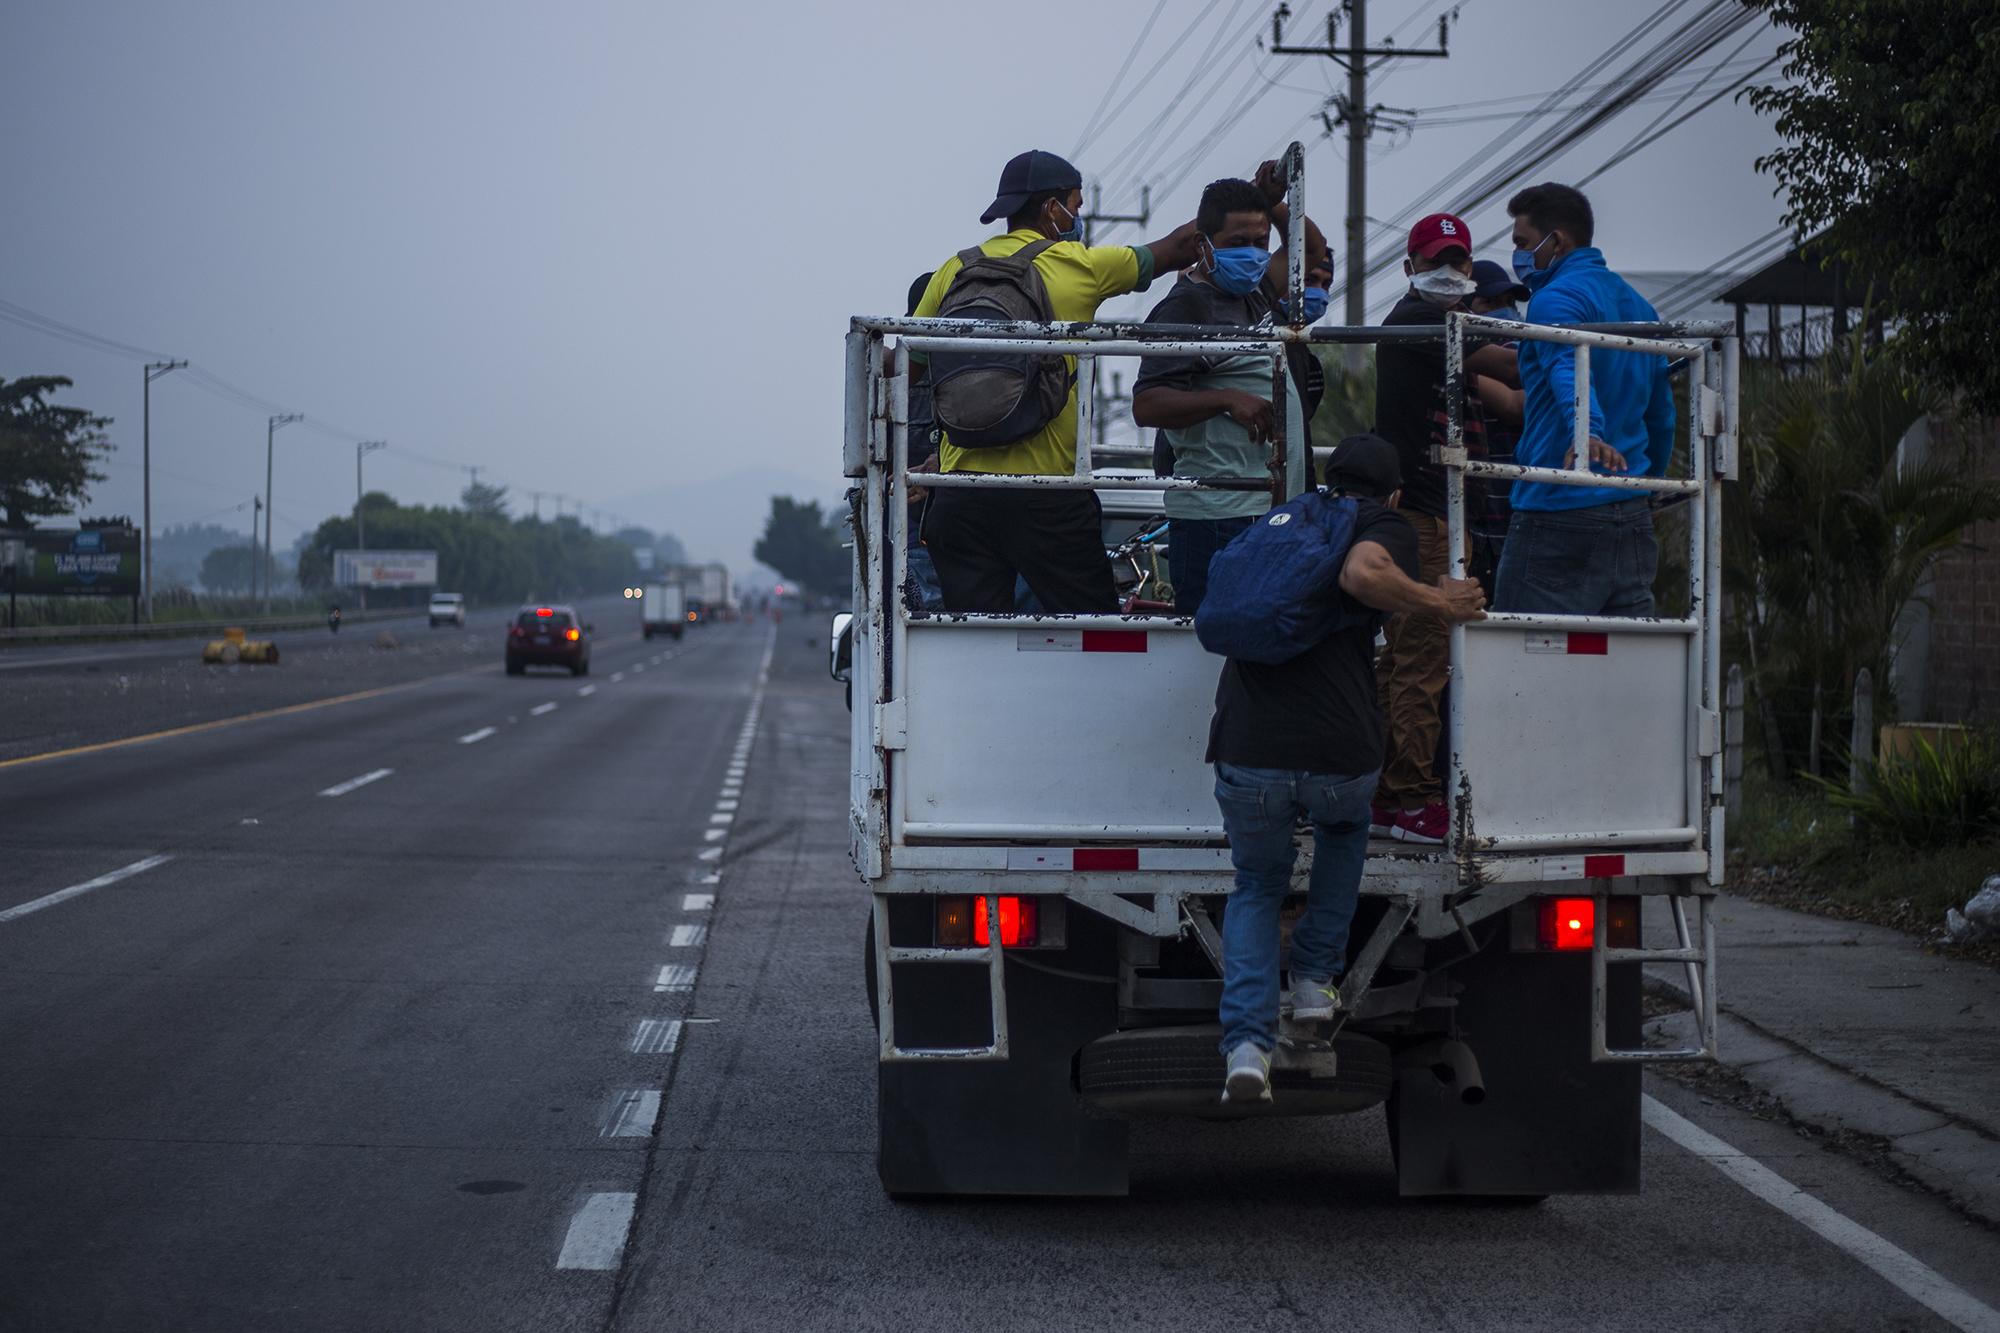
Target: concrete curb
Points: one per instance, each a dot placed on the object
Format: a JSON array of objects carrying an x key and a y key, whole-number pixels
[{"x": 1945, "y": 1153}]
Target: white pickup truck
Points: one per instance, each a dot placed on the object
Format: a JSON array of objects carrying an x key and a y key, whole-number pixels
[{"x": 1045, "y": 774}]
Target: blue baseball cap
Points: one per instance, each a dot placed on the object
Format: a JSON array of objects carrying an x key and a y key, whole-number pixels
[
  {"x": 1028, "y": 175},
  {"x": 1496, "y": 283}
]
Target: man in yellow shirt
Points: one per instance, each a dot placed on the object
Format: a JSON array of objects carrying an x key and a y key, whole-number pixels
[{"x": 980, "y": 539}]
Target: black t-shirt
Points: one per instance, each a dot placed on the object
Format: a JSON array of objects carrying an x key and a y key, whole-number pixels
[
  {"x": 1316, "y": 713},
  {"x": 1409, "y": 395}
]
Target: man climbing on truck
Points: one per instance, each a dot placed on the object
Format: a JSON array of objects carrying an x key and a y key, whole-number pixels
[{"x": 1303, "y": 738}]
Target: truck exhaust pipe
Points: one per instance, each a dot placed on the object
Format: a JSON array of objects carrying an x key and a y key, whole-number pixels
[{"x": 1452, "y": 1063}]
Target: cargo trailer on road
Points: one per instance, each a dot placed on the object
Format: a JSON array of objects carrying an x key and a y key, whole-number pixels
[{"x": 663, "y": 610}]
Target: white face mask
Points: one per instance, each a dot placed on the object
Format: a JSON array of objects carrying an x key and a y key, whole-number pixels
[{"x": 1443, "y": 286}]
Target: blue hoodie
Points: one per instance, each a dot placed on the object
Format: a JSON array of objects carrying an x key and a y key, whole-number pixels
[{"x": 1631, "y": 399}]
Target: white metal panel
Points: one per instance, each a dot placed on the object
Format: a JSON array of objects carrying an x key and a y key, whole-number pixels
[
  {"x": 1558, "y": 743},
  {"x": 1007, "y": 727}
]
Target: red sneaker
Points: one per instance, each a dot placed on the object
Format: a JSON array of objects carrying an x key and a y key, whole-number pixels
[
  {"x": 1429, "y": 824},
  {"x": 1382, "y": 821}
]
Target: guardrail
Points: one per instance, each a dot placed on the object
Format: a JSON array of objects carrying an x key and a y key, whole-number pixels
[{"x": 176, "y": 629}]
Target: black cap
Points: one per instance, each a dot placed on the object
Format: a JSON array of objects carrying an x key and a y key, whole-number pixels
[
  {"x": 1366, "y": 466},
  {"x": 1029, "y": 174},
  {"x": 1496, "y": 283}
]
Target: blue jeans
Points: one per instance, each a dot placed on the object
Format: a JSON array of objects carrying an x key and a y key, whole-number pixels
[
  {"x": 1598, "y": 561},
  {"x": 1191, "y": 544},
  {"x": 1259, "y": 808},
  {"x": 925, "y": 575}
]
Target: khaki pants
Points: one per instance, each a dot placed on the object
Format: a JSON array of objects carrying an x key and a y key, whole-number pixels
[{"x": 1409, "y": 679}]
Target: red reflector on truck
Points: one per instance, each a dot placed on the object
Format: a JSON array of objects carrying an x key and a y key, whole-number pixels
[
  {"x": 1104, "y": 858},
  {"x": 1589, "y": 643},
  {"x": 1604, "y": 867},
  {"x": 1018, "y": 920},
  {"x": 1114, "y": 641},
  {"x": 1568, "y": 923}
]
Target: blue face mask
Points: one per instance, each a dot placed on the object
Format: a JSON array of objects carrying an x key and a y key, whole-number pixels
[
  {"x": 1075, "y": 231},
  {"x": 1314, "y": 301},
  {"x": 1238, "y": 269},
  {"x": 1524, "y": 263}
]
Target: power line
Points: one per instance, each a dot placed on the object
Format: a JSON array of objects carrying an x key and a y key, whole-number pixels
[
  {"x": 1091, "y": 125},
  {"x": 1681, "y": 296},
  {"x": 1086, "y": 140}
]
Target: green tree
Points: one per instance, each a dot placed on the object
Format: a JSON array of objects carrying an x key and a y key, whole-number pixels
[
  {"x": 230, "y": 569},
  {"x": 1828, "y": 536},
  {"x": 804, "y": 544},
  {"x": 1890, "y": 113},
  {"x": 484, "y": 501},
  {"x": 47, "y": 452}
]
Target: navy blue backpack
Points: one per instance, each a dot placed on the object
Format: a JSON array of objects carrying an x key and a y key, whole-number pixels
[{"x": 1274, "y": 591}]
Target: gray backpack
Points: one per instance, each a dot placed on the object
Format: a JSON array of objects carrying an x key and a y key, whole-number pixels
[{"x": 984, "y": 400}]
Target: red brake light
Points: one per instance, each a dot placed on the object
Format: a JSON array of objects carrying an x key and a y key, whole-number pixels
[
  {"x": 575, "y": 634},
  {"x": 1018, "y": 919},
  {"x": 544, "y": 611},
  {"x": 1568, "y": 923}
]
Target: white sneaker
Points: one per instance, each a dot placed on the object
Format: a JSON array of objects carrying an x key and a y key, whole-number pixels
[
  {"x": 1314, "y": 999},
  {"x": 1249, "y": 1077}
]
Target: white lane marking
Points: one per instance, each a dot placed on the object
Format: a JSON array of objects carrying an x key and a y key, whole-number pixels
[
  {"x": 731, "y": 790},
  {"x": 656, "y": 1036},
  {"x": 631, "y": 1114},
  {"x": 715, "y": 834},
  {"x": 596, "y": 1237},
  {"x": 1901, "y": 1269},
  {"x": 656, "y": 659},
  {"x": 697, "y": 902},
  {"x": 637, "y": 667},
  {"x": 585, "y": 691},
  {"x": 64, "y": 895},
  {"x": 725, "y": 804},
  {"x": 342, "y": 788},
  {"x": 710, "y": 879},
  {"x": 687, "y": 937},
  {"x": 617, "y": 676},
  {"x": 709, "y": 854},
  {"x": 539, "y": 709},
  {"x": 675, "y": 976},
  {"x": 474, "y": 737},
  {"x": 722, "y": 817}
]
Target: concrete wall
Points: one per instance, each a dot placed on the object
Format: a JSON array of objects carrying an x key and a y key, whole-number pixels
[{"x": 1964, "y": 666}]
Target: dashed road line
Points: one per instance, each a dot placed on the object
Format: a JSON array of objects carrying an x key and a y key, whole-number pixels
[
  {"x": 474, "y": 737},
  {"x": 709, "y": 854},
  {"x": 617, "y": 676},
  {"x": 687, "y": 937},
  {"x": 697, "y": 902},
  {"x": 540, "y": 709},
  {"x": 722, "y": 817},
  {"x": 74, "y": 890},
  {"x": 656, "y": 1036},
  {"x": 725, "y": 804},
  {"x": 1901, "y": 1269},
  {"x": 585, "y": 691},
  {"x": 631, "y": 1114},
  {"x": 342, "y": 788},
  {"x": 596, "y": 1236},
  {"x": 675, "y": 977}
]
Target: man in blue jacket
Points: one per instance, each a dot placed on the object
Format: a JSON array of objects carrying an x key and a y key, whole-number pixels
[{"x": 1581, "y": 550}]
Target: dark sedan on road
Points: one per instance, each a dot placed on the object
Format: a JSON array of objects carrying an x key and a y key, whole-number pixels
[{"x": 548, "y": 636}]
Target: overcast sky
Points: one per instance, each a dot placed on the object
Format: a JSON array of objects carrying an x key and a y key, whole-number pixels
[{"x": 609, "y": 248}]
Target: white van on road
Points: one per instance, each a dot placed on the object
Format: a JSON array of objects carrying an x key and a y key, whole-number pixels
[{"x": 448, "y": 608}]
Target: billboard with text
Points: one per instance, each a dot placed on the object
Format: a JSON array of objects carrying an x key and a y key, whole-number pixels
[
  {"x": 385, "y": 569},
  {"x": 85, "y": 562}
]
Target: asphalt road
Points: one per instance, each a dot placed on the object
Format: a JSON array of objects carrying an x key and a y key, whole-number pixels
[{"x": 400, "y": 1058}]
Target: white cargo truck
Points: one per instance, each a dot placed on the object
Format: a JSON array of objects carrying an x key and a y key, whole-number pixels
[
  {"x": 1033, "y": 817},
  {"x": 663, "y": 610}
]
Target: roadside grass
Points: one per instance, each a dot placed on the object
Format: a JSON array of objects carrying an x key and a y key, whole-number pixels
[{"x": 1794, "y": 847}]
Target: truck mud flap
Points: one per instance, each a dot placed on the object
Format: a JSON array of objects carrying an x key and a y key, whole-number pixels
[
  {"x": 1520, "y": 1109},
  {"x": 1016, "y": 1126}
]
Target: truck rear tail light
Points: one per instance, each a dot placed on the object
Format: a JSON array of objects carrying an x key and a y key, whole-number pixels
[
  {"x": 574, "y": 635},
  {"x": 1568, "y": 923},
  {"x": 962, "y": 922},
  {"x": 1571, "y": 923}
]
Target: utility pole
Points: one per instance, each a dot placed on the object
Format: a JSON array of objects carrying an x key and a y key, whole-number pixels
[
  {"x": 1094, "y": 213},
  {"x": 154, "y": 369},
  {"x": 1354, "y": 112},
  {"x": 360, "y": 520},
  {"x": 270, "y": 431},
  {"x": 538, "y": 505},
  {"x": 256, "y": 508}
]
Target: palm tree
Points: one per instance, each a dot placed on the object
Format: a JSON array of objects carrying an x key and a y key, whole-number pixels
[{"x": 1830, "y": 533}]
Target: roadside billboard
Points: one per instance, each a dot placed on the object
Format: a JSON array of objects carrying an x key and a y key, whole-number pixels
[
  {"x": 80, "y": 562},
  {"x": 385, "y": 569}
]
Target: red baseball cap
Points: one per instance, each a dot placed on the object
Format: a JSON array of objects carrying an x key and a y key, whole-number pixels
[{"x": 1439, "y": 232}]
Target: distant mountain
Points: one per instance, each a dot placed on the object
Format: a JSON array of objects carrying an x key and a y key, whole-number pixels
[{"x": 722, "y": 517}]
